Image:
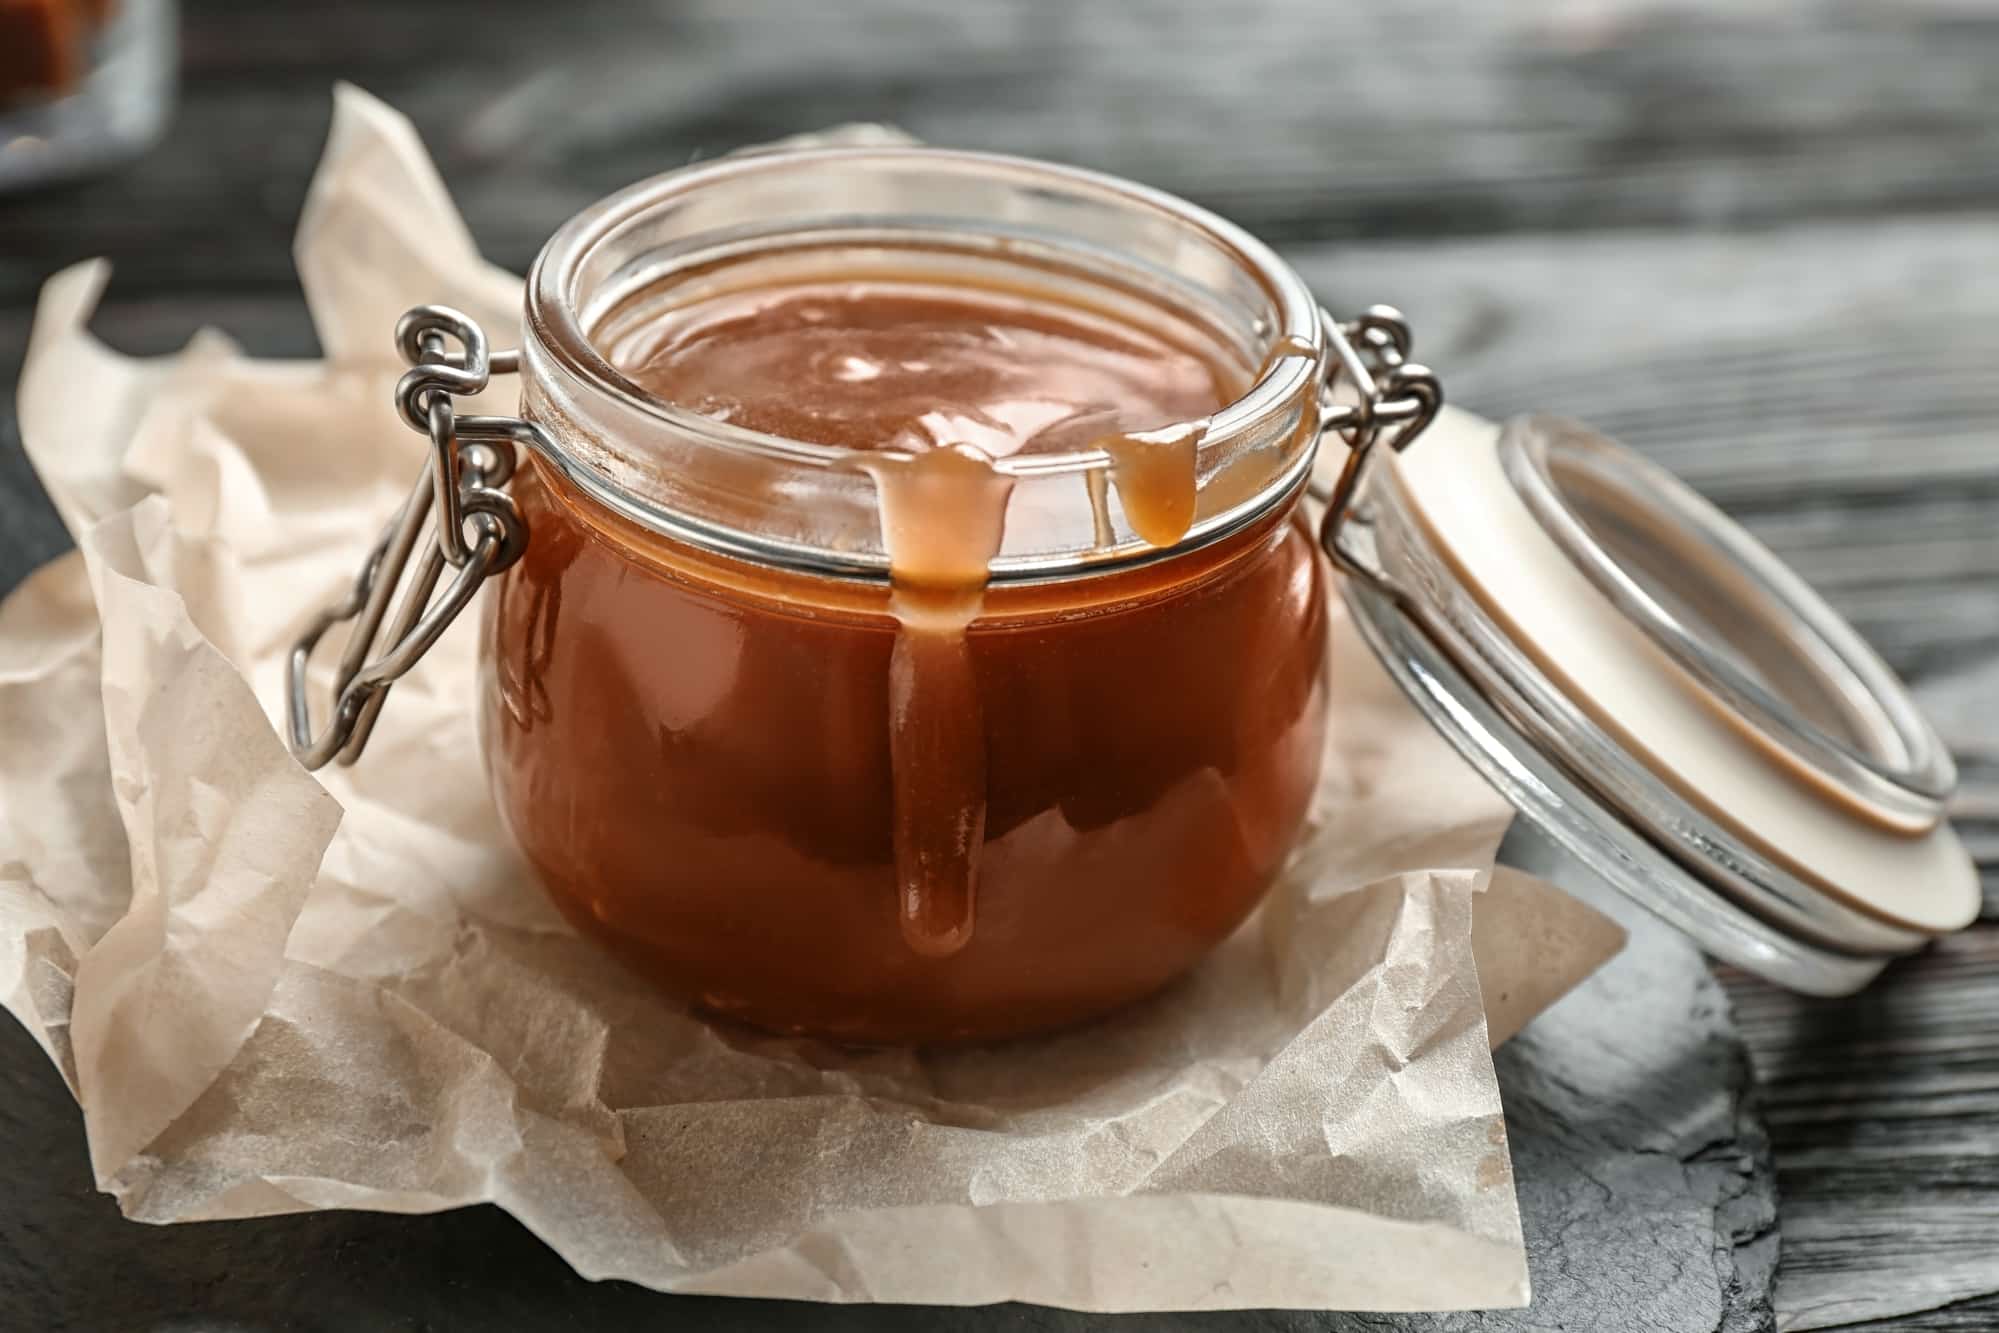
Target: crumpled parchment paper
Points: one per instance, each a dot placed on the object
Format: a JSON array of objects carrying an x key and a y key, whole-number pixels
[{"x": 273, "y": 992}]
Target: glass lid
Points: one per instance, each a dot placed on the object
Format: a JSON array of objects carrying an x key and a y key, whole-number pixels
[
  {"x": 1656, "y": 691},
  {"x": 1733, "y": 617}
]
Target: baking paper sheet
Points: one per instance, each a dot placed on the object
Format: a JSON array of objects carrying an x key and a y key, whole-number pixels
[{"x": 273, "y": 991}]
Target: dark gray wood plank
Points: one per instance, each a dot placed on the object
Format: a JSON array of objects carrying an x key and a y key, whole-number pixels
[
  {"x": 1302, "y": 120},
  {"x": 1882, "y": 1108}
]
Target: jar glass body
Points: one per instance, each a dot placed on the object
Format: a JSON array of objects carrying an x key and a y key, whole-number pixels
[
  {"x": 696, "y": 762},
  {"x": 686, "y": 706}
]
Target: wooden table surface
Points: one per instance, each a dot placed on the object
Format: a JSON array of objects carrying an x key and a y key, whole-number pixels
[{"x": 1758, "y": 241}]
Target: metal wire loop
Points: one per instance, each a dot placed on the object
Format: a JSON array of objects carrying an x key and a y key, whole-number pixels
[
  {"x": 1373, "y": 395},
  {"x": 457, "y": 514}
]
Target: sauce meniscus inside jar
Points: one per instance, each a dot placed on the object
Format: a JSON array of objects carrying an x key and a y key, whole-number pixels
[{"x": 916, "y": 638}]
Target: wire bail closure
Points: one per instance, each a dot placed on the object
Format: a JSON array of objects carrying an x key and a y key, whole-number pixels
[
  {"x": 1373, "y": 395},
  {"x": 477, "y": 531}
]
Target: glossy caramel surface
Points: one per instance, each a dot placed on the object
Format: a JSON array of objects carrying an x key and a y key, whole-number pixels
[{"x": 916, "y": 363}]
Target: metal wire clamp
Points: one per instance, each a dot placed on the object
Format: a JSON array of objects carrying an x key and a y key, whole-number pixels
[
  {"x": 477, "y": 530},
  {"x": 1373, "y": 395}
]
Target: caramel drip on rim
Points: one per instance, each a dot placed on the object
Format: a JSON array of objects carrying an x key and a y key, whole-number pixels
[
  {"x": 943, "y": 514},
  {"x": 1287, "y": 346},
  {"x": 1155, "y": 475},
  {"x": 1157, "y": 472}
]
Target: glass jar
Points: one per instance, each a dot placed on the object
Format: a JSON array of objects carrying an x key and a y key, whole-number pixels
[{"x": 708, "y": 721}]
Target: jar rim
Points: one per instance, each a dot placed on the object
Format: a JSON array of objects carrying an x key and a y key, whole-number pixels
[{"x": 556, "y": 328}]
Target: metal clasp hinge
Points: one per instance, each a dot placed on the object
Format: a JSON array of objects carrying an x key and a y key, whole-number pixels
[
  {"x": 478, "y": 530},
  {"x": 1373, "y": 395}
]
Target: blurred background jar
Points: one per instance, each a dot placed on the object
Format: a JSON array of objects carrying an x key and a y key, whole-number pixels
[{"x": 84, "y": 85}]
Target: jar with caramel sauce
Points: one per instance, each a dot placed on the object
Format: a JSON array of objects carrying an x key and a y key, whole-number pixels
[
  {"x": 938, "y": 805},
  {"x": 907, "y": 631},
  {"x": 975, "y": 685}
]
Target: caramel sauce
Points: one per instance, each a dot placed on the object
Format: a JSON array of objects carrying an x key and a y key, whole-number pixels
[
  {"x": 940, "y": 380},
  {"x": 912, "y": 365},
  {"x": 1065, "y": 792}
]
